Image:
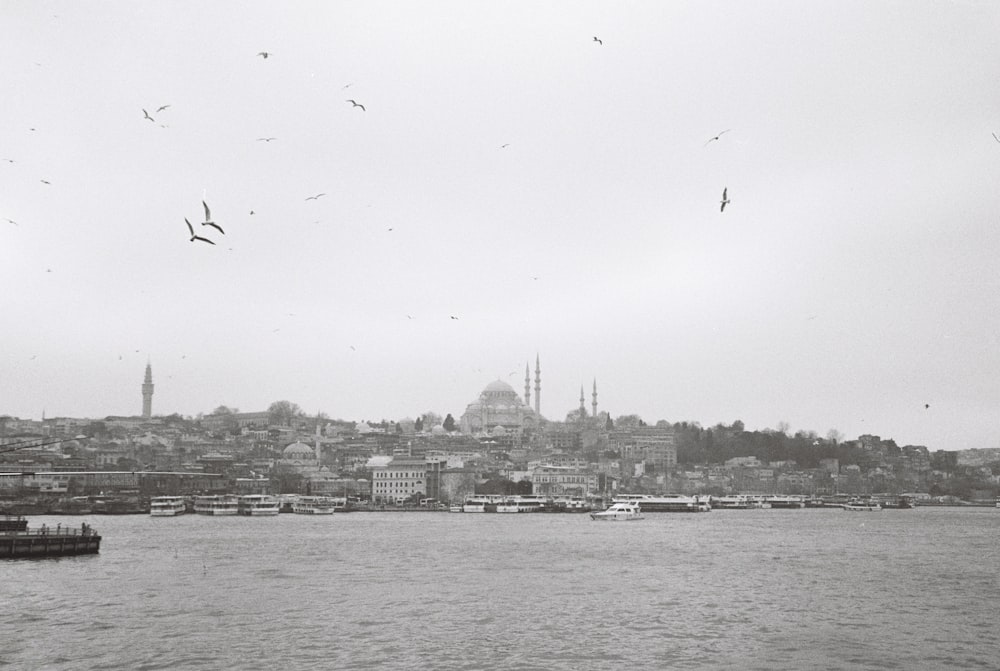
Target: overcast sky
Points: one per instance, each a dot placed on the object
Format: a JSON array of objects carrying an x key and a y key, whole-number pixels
[{"x": 557, "y": 195}]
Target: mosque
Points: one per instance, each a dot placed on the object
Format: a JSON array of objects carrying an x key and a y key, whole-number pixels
[{"x": 499, "y": 409}]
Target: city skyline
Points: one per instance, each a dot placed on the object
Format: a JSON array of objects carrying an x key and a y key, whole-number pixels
[{"x": 503, "y": 184}]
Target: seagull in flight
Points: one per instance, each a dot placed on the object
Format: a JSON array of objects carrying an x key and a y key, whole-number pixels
[
  {"x": 161, "y": 108},
  {"x": 713, "y": 139},
  {"x": 208, "y": 219},
  {"x": 356, "y": 104},
  {"x": 454, "y": 317},
  {"x": 598, "y": 41},
  {"x": 196, "y": 237},
  {"x": 45, "y": 181},
  {"x": 725, "y": 200},
  {"x": 264, "y": 54},
  {"x": 505, "y": 145},
  {"x": 146, "y": 115},
  {"x": 266, "y": 139},
  {"x": 316, "y": 197},
  {"x": 995, "y": 137},
  {"x": 11, "y": 221}
]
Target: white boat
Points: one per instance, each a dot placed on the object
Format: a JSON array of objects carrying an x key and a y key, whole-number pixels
[
  {"x": 258, "y": 505},
  {"x": 859, "y": 506},
  {"x": 167, "y": 506},
  {"x": 619, "y": 512},
  {"x": 733, "y": 502},
  {"x": 522, "y": 504},
  {"x": 484, "y": 503},
  {"x": 666, "y": 504},
  {"x": 216, "y": 505},
  {"x": 786, "y": 501},
  {"x": 313, "y": 505}
]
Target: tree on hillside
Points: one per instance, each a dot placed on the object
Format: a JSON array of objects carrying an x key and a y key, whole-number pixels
[
  {"x": 283, "y": 412},
  {"x": 449, "y": 423},
  {"x": 418, "y": 425},
  {"x": 431, "y": 419}
]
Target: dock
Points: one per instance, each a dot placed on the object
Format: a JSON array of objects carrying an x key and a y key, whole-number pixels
[{"x": 46, "y": 541}]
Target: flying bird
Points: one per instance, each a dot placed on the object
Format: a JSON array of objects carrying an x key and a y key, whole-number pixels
[
  {"x": 45, "y": 181},
  {"x": 713, "y": 139},
  {"x": 208, "y": 219},
  {"x": 926, "y": 405},
  {"x": 454, "y": 317},
  {"x": 356, "y": 104},
  {"x": 317, "y": 196},
  {"x": 725, "y": 199},
  {"x": 146, "y": 115},
  {"x": 196, "y": 237},
  {"x": 504, "y": 146},
  {"x": 11, "y": 221},
  {"x": 266, "y": 139},
  {"x": 264, "y": 54},
  {"x": 161, "y": 108},
  {"x": 599, "y": 41}
]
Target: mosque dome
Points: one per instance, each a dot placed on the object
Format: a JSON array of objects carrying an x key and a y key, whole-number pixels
[
  {"x": 499, "y": 386},
  {"x": 438, "y": 431},
  {"x": 298, "y": 450}
]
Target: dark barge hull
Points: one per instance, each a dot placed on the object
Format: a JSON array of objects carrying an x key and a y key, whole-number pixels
[{"x": 29, "y": 544}]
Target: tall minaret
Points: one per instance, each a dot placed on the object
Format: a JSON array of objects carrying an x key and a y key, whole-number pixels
[
  {"x": 594, "y": 395},
  {"x": 538, "y": 387},
  {"x": 147, "y": 393},
  {"x": 583, "y": 408},
  {"x": 527, "y": 385}
]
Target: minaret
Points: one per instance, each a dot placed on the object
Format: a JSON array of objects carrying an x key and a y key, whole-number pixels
[
  {"x": 319, "y": 449},
  {"x": 538, "y": 387},
  {"x": 147, "y": 393},
  {"x": 594, "y": 396},
  {"x": 583, "y": 408},
  {"x": 527, "y": 385}
]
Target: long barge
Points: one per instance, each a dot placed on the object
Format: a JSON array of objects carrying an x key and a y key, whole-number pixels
[{"x": 48, "y": 541}]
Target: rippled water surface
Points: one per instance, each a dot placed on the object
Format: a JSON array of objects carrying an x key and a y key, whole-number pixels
[{"x": 756, "y": 589}]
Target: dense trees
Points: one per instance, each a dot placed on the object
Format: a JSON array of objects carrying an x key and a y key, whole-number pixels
[{"x": 282, "y": 413}]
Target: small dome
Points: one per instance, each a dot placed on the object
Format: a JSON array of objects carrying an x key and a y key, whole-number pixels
[
  {"x": 297, "y": 451},
  {"x": 438, "y": 431}
]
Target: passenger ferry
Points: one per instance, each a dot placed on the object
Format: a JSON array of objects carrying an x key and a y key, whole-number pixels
[
  {"x": 313, "y": 505},
  {"x": 216, "y": 505},
  {"x": 257, "y": 505},
  {"x": 484, "y": 503},
  {"x": 522, "y": 504},
  {"x": 667, "y": 504},
  {"x": 734, "y": 502},
  {"x": 167, "y": 506},
  {"x": 786, "y": 501},
  {"x": 862, "y": 505}
]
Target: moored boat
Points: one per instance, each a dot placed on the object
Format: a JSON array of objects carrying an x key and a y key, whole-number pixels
[
  {"x": 216, "y": 505},
  {"x": 624, "y": 511},
  {"x": 666, "y": 504},
  {"x": 313, "y": 505},
  {"x": 862, "y": 505},
  {"x": 258, "y": 505},
  {"x": 786, "y": 501},
  {"x": 522, "y": 504},
  {"x": 167, "y": 506}
]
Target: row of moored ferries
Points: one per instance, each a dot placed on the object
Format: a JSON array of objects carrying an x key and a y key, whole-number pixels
[{"x": 253, "y": 505}]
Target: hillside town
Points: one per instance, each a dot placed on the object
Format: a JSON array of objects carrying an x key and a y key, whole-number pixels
[{"x": 500, "y": 444}]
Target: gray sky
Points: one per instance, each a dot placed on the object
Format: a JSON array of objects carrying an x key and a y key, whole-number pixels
[{"x": 851, "y": 280}]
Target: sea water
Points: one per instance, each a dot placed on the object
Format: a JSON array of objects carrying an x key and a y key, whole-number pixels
[{"x": 748, "y": 589}]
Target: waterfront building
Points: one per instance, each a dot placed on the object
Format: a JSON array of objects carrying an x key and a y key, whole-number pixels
[
  {"x": 562, "y": 480},
  {"x": 400, "y": 478}
]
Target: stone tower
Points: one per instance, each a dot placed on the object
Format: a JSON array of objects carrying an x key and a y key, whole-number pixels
[{"x": 147, "y": 393}]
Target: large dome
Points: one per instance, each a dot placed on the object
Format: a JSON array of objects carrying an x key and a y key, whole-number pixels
[{"x": 499, "y": 385}]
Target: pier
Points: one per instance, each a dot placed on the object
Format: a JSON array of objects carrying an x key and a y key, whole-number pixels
[{"x": 49, "y": 541}]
